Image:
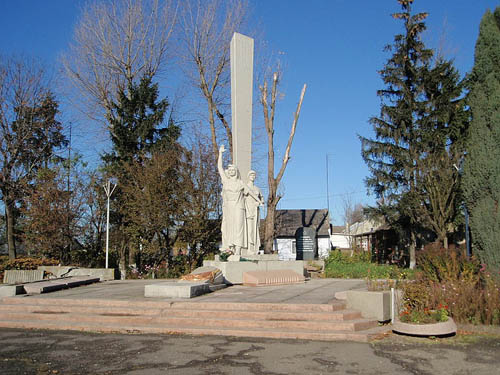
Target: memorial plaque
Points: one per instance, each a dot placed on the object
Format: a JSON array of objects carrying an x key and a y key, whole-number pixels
[{"x": 305, "y": 238}]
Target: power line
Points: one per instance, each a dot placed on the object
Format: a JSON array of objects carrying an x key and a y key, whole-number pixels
[{"x": 324, "y": 196}]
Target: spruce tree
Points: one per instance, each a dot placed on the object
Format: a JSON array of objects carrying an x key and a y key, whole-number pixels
[
  {"x": 139, "y": 135},
  {"x": 481, "y": 180},
  {"x": 137, "y": 123},
  {"x": 441, "y": 128},
  {"x": 392, "y": 155}
]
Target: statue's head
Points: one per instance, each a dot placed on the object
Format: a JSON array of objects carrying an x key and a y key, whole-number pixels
[
  {"x": 251, "y": 175},
  {"x": 232, "y": 171}
]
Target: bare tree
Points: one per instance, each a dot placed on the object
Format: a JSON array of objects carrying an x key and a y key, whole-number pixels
[
  {"x": 268, "y": 101},
  {"x": 207, "y": 27},
  {"x": 115, "y": 44},
  {"x": 353, "y": 213}
]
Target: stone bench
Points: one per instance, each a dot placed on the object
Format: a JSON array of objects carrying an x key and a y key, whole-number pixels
[{"x": 22, "y": 276}]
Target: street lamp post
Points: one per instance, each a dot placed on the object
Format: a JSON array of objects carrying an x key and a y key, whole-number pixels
[{"x": 109, "y": 192}]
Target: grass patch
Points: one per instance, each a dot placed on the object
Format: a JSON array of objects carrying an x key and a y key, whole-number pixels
[{"x": 358, "y": 266}]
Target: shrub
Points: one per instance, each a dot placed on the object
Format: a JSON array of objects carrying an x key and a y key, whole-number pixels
[
  {"x": 425, "y": 316},
  {"x": 448, "y": 278},
  {"x": 440, "y": 264},
  {"x": 174, "y": 268}
]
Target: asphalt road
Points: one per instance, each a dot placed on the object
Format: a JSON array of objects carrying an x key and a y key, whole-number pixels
[{"x": 56, "y": 352}]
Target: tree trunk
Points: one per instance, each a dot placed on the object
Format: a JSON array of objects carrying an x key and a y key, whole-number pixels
[
  {"x": 413, "y": 248},
  {"x": 445, "y": 241},
  {"x": 269, "y": 228},
  {"x": 10, "y": 221},
  {"x": 123, "y": 261}
]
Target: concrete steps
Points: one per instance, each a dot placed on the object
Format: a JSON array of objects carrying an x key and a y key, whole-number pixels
[{"x": 300, "y": 321}]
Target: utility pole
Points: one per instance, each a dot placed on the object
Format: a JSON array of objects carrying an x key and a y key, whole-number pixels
[
  {"x": 109, "y": 192},
  {"x": 327, "y": 189},
  {"x": 328, "y": 206},
  {"x": 68, "y": 203}
]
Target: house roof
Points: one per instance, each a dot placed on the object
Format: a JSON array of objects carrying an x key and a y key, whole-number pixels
[
  {"x": 366, "y": 227},
  {"x": 339, "y": 229},
  {"x": 288, "y": 221}
]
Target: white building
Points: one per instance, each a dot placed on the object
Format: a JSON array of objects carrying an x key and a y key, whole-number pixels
[{"x": 339, "y": 238}]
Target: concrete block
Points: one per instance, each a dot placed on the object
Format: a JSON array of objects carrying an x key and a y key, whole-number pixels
[
  {"x": 233, "y": 271},
  {"x": 75, "y": 281},
  {"x": 44, "y": 287},
  {"x": 262, "y": 257},
  {"x": 274, "y": 277},
  {"x": 22, "y": 276},
  {"x": 184, "y": 289},
  {"x": 11, "y": 290},
  {"x": 104, "y": 274},
  {"x": 374, "y": 305}
]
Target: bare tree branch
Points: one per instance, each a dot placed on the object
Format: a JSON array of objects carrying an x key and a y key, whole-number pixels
[
  {"x": 115, "y": 43},
  {"x": 269, "y": 110},
  {"x": 207, "y": 28}
]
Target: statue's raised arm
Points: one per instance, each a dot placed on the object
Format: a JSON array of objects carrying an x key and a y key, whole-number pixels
[{"x": 219, "y": 163}]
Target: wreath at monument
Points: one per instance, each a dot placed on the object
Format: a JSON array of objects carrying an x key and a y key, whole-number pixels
[{"x": 225, "y": 254}]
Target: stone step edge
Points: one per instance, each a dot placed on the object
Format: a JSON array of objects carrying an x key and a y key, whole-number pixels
[
  {"x": 337, "y": 315},
  {"x": 234, "y": 306},
  {"x": 361, "y": 336},
  {"x": 347, "y": 325}
]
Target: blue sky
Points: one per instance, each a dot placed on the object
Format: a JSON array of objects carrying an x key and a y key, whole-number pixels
[{"x": 335, "y": 46}]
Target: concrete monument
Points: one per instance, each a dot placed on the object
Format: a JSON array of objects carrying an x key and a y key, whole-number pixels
[
  {"x": 253, "y": 213},
  {"x": 241, "y": 198},
  {"x": 241, "y": 52},
  {"x": 241, "y": 201},
  {"x": 234, "y": 226}
]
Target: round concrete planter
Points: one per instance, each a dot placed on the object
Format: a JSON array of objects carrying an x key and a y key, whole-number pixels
[{"x": 433, "y": 329}]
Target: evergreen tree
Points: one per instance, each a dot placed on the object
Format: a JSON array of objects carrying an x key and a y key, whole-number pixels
[
  {"x": 419, "y": 139},
  {"x": 140, "y": 137},
  {"x": 481, "y": 180},
  {"x": 137, "y": 123},
  {"x": 441, "y": 144},
  {"x": 392, "y": 156}
]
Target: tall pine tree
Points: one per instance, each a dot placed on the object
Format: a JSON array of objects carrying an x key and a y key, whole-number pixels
[
  {"x": 481, "y": 180},
  {"x": 392, "y": 156}
]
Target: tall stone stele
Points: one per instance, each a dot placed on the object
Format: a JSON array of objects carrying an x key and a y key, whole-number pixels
[
  {"x": 241, "y": 102},
  {"x": 240, "y": 195}
]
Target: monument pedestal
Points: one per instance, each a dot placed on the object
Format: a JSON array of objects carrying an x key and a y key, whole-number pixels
[{"x": 233, "y": 271}]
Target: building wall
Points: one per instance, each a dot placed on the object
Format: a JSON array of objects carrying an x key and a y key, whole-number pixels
[
  {"x": 340, "y": 241},
  {"x": 323, "y": 247}
]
